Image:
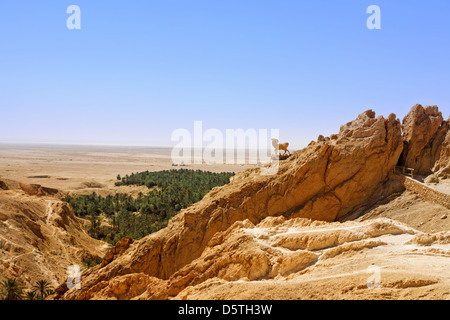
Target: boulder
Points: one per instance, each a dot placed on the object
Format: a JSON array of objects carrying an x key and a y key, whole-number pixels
[{"x": 431, "y": 179}]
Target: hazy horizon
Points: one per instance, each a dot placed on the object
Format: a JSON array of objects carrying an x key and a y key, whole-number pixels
[{"x": 31, "y": 143}]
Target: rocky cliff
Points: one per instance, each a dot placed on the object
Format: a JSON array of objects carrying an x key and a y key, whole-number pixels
[
  {"x": 426, "y": 137},
  {"x": 325, "y": 181}
]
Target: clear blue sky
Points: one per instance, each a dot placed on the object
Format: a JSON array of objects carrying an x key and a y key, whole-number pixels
[{"x": 137, "y": 70}]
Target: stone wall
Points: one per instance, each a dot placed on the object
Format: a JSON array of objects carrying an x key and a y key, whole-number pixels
[{"x": 426, "y": 192}]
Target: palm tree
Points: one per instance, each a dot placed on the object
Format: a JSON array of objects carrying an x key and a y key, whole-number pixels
[
  {"x": 43, "y": 289},
  {"x": 31, "y": 295},
  {"x": 11, "y": 289}
]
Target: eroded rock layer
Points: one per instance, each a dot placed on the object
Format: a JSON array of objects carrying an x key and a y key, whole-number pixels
[{"x": 40, "y": 237}]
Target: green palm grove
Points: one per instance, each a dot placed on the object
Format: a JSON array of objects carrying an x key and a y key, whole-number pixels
[{"x": 115, "y": 216}]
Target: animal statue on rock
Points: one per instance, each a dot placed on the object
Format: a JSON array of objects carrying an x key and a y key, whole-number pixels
[{"x": 281, "y": 146}]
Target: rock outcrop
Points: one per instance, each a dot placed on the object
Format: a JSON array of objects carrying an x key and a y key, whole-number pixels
[
  {"x": 121, "y": 246},
  {"x": 38, "y": 190},
  {"x": 424, "y": 132},
  {"x": 325, "y": 181}
]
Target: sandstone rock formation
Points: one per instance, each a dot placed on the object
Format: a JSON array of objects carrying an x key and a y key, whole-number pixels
[
  {"x": 331, "y": 261},
  {"x": 40, "y": 236},
  {"x": 298, "y": 258},
  {"x": 324, "y": 181},
  {"x": 424, "y": 132}
]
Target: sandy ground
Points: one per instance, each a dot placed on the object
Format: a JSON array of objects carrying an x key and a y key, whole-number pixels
[
  {"x": 81, "y": 167},
  {"x": 443, "y": 186},
  {"x": 410, "y": 209}
]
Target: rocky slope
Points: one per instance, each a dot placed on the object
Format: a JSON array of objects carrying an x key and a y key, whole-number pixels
[
  {"x": 39, "y": 235},
  {"x": 300, "y": 258}
]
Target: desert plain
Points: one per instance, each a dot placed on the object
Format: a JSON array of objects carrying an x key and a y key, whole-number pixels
[{"x": 82, "y": 168}]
